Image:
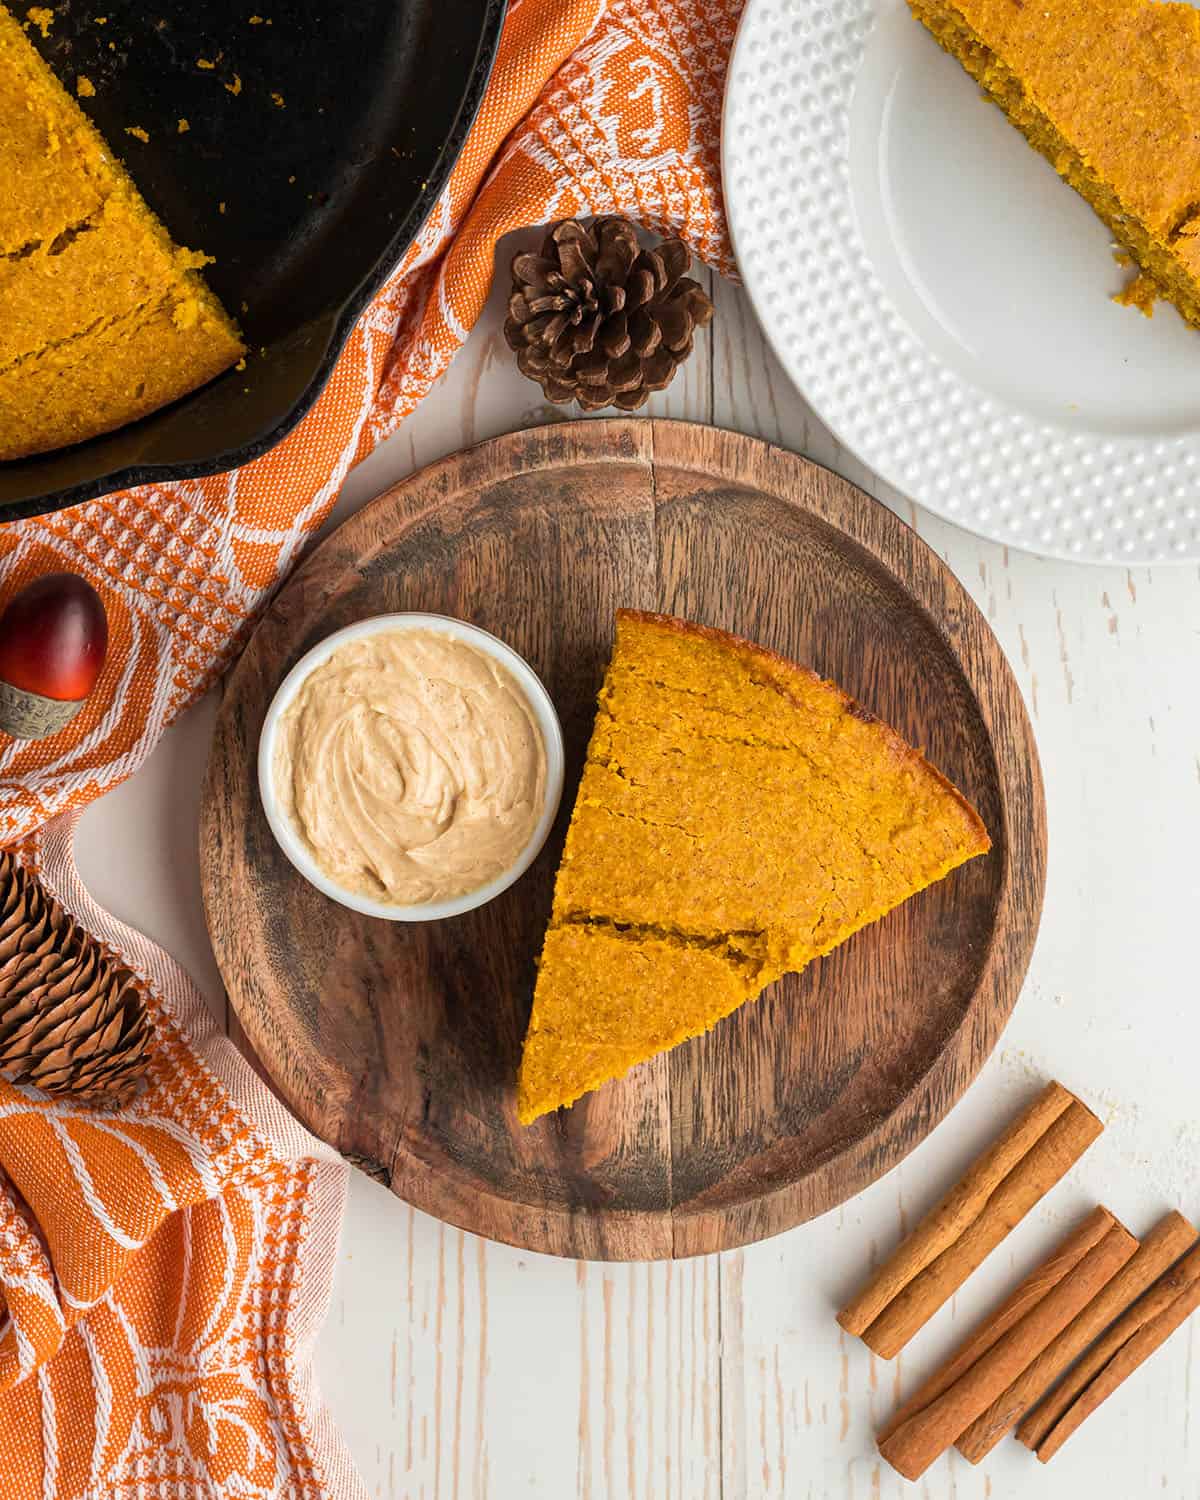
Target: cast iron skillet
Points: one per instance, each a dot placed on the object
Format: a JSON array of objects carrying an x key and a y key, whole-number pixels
[{"x": 316, "y": 144}]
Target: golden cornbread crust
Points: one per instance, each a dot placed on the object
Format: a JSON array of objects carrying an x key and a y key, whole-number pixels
[
  {"x": 104, "y": 318},
  {"x": 1109, "y": 92},
  {"x": 737, "y": 817}
]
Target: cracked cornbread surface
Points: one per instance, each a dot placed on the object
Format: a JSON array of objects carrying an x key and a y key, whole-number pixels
[
  {"x": 1109, "y": 92},
  {"x": 737, "y": 817},
  {"x": 103, "y": 318}
]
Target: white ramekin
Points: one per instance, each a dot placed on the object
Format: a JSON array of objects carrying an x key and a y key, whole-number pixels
[{"x": 544, "y": 715}]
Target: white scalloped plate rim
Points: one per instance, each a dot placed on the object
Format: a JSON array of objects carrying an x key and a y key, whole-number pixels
[{"x": 967, "y": 454}]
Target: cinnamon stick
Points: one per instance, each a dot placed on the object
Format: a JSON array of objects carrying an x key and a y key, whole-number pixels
[
  {"x": 1161, "y": 1248},
  {"x": 995, "y": 1195},
  {"x": 1129, "y": 1343},
  {"x": 1051, "y": 1300},
  {"x": 1030, "y": 1292}
]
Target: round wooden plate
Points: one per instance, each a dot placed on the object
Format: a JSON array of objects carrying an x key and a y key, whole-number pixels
[{"x": 399, "y": 1044}]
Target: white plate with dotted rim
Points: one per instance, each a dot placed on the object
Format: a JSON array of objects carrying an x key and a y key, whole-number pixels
[{"x": 943, "y": 300}]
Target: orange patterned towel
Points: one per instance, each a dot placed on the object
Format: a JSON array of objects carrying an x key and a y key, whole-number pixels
[{"x": 163, "y": 1273}]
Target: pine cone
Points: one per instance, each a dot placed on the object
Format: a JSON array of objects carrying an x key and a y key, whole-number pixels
[
  {"x": 71, "y": 1021},
  {"x": 596, "y": 319}
]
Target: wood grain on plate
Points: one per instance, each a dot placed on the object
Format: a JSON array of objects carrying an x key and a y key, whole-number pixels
[{"x": 399, "y": 1043}]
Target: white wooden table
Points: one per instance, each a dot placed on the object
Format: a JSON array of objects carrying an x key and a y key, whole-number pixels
[{"x": 460, "y": 1369}]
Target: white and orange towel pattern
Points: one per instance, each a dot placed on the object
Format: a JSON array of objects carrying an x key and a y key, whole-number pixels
[{"x": 163, "y": 1274}]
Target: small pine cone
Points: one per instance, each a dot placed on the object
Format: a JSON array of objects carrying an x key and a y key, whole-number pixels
[
  {"x": 71, "y": 1021},
  {"x": 596, "y": 319}
]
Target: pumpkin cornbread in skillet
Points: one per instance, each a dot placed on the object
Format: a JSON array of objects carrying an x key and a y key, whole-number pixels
[
  {"x": 1109, "y": 92},
  {"x": 737, "y": 817},
  {"x": 102, "y": 318}
]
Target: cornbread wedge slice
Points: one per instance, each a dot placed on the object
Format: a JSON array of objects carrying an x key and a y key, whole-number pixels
[
  {"x": 102, "y": 317},
  {"x": 737, "y": 818},
  {"x": 1109, "y": 92}
]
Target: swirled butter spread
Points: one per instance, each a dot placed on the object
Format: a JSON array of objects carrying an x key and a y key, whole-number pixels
[{"x": 412, "y": 766}]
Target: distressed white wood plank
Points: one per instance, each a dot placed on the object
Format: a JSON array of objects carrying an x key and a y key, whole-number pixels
[{"x": 458, "y": 1368}]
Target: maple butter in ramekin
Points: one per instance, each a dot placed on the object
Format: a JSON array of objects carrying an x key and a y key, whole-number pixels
[{"x": 412, "y": 766}]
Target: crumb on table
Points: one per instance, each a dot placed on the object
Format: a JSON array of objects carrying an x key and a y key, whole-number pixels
[
  {"x": 183, "y": 127},
  {"x": 236, "y": 86},
  {"x": 137, "y": 132},
  {"x": 1140, "y": 292},
  {"x": 277, "y": 101},
  {"x": 84, "y": 87},
  {"x": 42, "y": 17}
]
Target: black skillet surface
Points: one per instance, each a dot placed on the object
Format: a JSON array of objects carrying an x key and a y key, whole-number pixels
[{"x": 316, "y": 145}]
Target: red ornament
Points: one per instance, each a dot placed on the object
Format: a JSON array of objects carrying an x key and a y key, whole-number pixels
[{"x": 53, "y": 639}]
